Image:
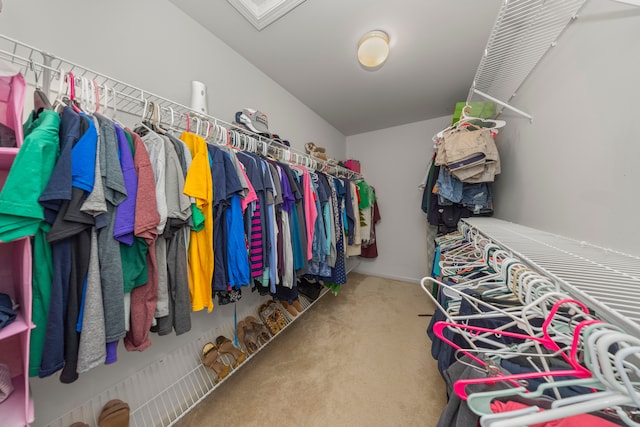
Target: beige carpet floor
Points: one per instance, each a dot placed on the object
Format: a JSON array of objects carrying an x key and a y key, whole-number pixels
[{"x": 359, "y": 359}]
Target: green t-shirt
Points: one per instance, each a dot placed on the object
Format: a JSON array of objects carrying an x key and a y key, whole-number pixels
[
  {"x": 197, "y": 217},
  {"x": 20, "y": 212},
  {"x": 367, "y": 196},
  {"x": 134, "y": 264},
  {"x": 21, "y": 215}
]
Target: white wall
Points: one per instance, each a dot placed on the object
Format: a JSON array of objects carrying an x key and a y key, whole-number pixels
[
  {"x": 153, "y": 45},
  {"x": 576, "y": 170},
  {"x": 394, "y": 161}
]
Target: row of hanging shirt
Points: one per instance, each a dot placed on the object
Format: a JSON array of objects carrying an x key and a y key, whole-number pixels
[
  {"x": 133, "y": 230},
  {"x": 515, "y": 350}
]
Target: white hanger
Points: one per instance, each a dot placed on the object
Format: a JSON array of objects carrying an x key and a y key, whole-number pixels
[
  {"x": 198, "y": 125},
  {"x": 62, "y": 89}
]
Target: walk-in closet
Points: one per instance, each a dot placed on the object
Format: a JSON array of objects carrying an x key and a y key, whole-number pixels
[{"x": 313, "y": 213}]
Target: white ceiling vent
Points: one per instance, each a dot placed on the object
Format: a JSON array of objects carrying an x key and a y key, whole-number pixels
[{"x": 261, "y": 13}]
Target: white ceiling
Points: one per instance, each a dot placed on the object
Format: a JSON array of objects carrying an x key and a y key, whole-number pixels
[{"x": 436, "y": 46}]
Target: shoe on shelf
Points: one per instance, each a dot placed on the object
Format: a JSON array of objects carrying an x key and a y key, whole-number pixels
[
  {"x": 277, "y": 315},
  {"x": 290, "y": 308},
  {"x": 115, "y": 413},
  {"x": 225, "y": 346},
  {"x": 309, "y": 289},
  {"x": 261, "y": 331},
  {"x": 210, "y": 360},
  {"x": 247, "y": 336},
  {"x": 266, "y": 313},
  {"x": 298, "y": 306}
]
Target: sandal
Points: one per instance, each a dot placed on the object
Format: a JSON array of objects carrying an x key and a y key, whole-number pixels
[
  {"x": 210, "y": 360},
  {"x": 266, "y": 313},
  {"x": 225, "y": 346},
  {"x": 247, "y": 336},
  {"x": 258, "y": 327},
  {"x": 278, "y": 317}
]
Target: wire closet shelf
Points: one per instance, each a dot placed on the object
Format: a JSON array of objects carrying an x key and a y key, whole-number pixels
[
  {"x": 607, "y": 281},
  {"x": 523, "y": 33},
  {"x": 44, "y": 70}
]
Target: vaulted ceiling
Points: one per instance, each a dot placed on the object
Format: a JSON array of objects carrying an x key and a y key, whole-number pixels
[{"x": 436, "y": 46}]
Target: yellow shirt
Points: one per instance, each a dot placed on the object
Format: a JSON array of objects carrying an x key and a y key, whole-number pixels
[{"x": 198, "y": 184}]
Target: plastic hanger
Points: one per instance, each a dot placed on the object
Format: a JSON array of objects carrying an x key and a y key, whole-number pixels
[
  {"x": 480, "y": 402},
  {"x": 62, "y": 90},
  {"x": 40, "y": 99},
  {"x": 622, "y": 367},
  {"x": 96, "y": 95},
  {"x": 546, "y": 340},
  {"x": 477, "y": 121},
  {"x": 71, "y": 81},
  {"x": 156, "y": 119},
  {"x": 520, "y": 316}
]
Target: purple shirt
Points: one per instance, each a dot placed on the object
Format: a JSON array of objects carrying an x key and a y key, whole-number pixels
[
  {"x": 126, "y": 211},
  {"x": 288, "y": 198}
]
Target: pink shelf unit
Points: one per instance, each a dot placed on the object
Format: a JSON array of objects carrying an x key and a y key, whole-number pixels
[{"x": 15, "y": 280}]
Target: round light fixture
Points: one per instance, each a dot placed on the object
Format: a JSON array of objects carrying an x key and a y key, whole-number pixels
[{"x": 373, "y": 49}]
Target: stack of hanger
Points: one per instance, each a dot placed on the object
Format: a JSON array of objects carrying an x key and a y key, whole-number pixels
[{"x": 496, "y": 313}]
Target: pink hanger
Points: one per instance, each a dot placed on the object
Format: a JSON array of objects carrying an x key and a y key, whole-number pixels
[
  {"x": 188, "y": 122},
  {"x": 96, "y": 89},
  {"x": 578, "y": 370},
  {"x": 72, "y": 91}
]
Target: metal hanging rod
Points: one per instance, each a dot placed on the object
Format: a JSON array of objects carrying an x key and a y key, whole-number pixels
[{"x": 46, "y": 68}]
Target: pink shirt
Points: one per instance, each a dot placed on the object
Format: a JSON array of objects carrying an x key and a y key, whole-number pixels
[
  {"x": 310, "y": 211},
  {"x": 582, "y": 420},
  {"x": 251, "y": 194}
]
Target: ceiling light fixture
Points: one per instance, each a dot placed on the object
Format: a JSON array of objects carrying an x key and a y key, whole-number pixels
[{"x": 373, "y": 49}]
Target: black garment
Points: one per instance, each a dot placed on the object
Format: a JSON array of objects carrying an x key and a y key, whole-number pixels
[
  {"x": 286, "y": 294},
  {"x": 445, "y": 217},
  {"x": 71, "y": 220},
  {"x": 80, "y": 253}
]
